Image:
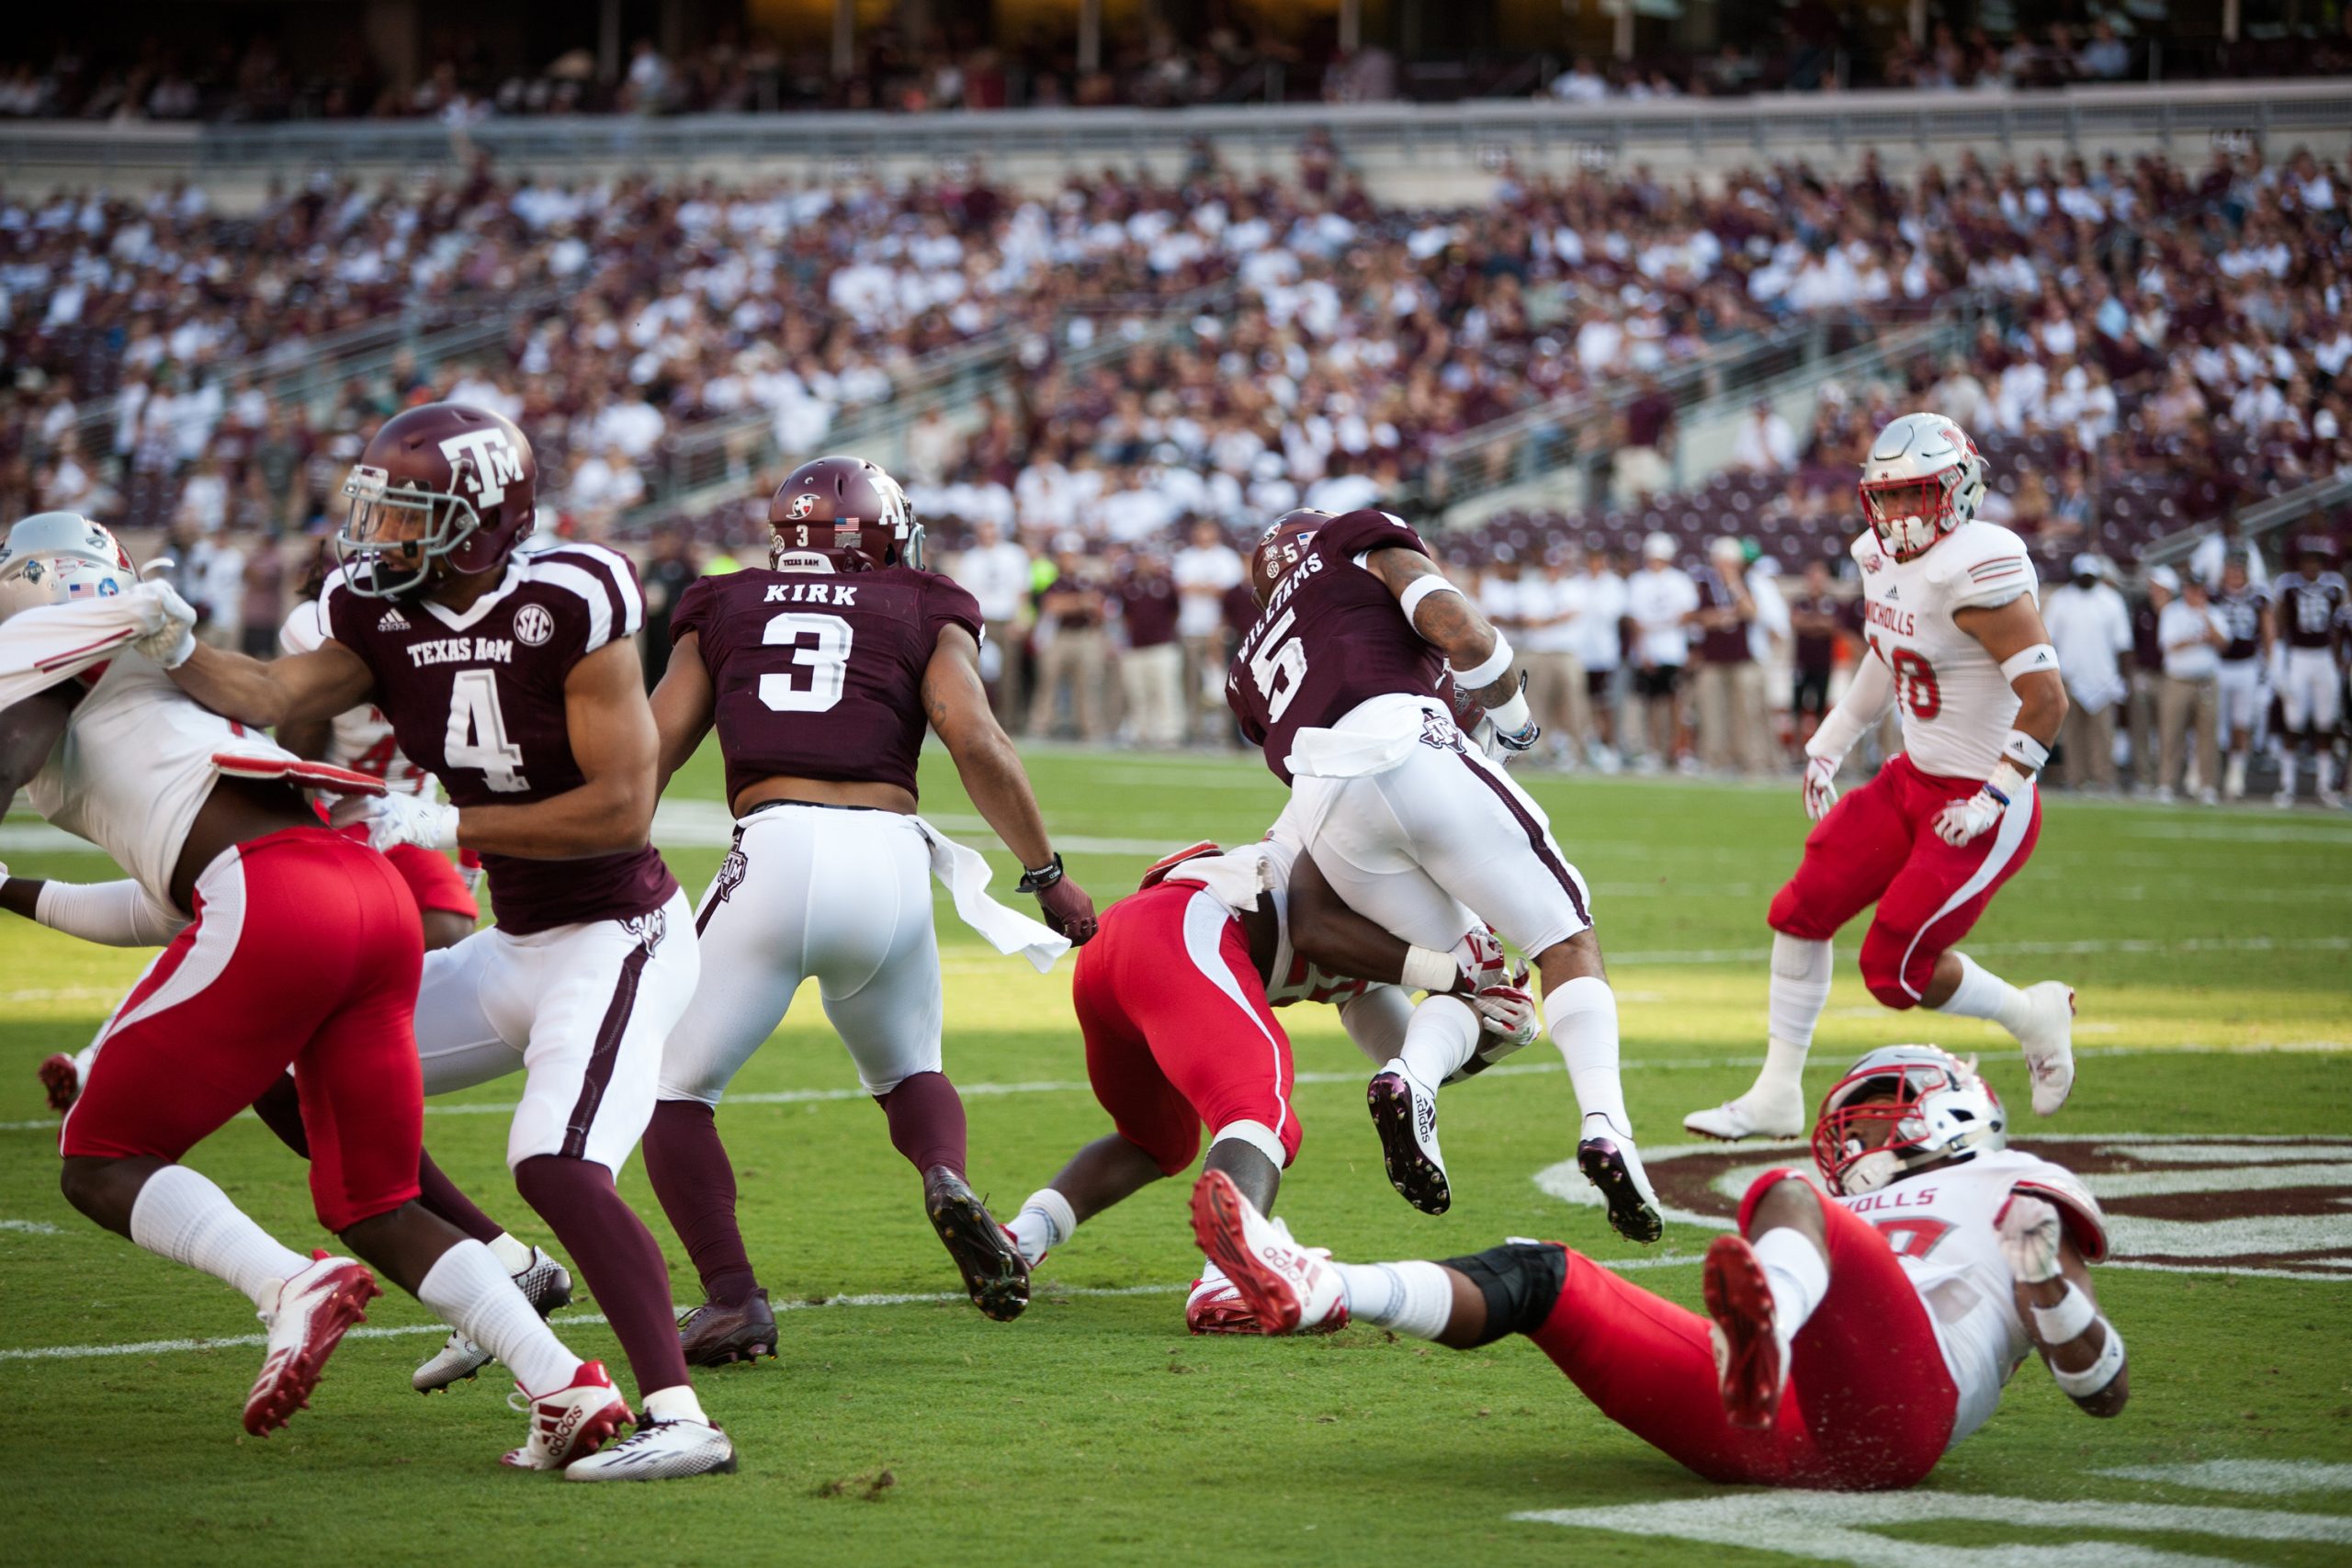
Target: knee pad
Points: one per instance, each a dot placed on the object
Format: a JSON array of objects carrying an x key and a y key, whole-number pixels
[{"x": 1521, "y": 1282}]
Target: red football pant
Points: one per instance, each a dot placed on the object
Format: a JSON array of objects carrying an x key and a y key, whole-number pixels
[
  {"x": 305, "y": 953},
  {"x": 1869, "y": 1404},
  {"x": 433, "y": 879},
  {"x": 1178, "y": 1029},
  {"x": 1879, "y": 844}
]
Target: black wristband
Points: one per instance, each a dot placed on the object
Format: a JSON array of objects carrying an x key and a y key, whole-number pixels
[{"x": 1041, "y": 878}]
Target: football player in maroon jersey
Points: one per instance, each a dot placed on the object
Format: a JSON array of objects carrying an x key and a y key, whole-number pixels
[
  {"x": 819, "y": 674},
  {"x": 1413, "y": 824},
  {"x": 512, "y": 674}
]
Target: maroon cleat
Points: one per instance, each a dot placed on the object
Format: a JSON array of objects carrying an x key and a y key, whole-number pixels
[
  {"x": 1748, "y": 1345},
  {"x": 715, "y": 1335},
  {"x": 62, "y": 1081},
  {"x": 993, "y": 1272}
]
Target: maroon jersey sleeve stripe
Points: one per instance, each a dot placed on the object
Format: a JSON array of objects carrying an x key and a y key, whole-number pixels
[{"x": 1535, "y": 837}]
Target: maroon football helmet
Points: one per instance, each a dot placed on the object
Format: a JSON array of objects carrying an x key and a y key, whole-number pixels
[
  {"x": 846, "y": 510},
  {"x": 439, "y": 484},
  {"x": 1278, "y": 550}
]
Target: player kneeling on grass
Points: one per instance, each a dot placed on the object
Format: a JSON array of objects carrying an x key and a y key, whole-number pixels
[
  {"x": 1176, "y": 996},
  {"x": 1958, "y": 649},
  {"x": 1850, "y": 1338},
  {"x": 300, "y": 949}
]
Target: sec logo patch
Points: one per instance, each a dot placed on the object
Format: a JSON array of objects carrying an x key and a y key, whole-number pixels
[{"x": 534, "y": 626}]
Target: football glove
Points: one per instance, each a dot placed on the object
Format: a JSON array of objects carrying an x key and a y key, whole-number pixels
[
  {"x": 2029, "y": 1232},
  {"x": 1965, "y": 819},
  {"x": 1479, "y": 958},
  {"x": 171, "y": 643},
  {"x": 1820, "y": 786},
  {"x": 396, "y": 820},
  {"x": 1509, "y": 1014},
  {"x": 1068, "y": 910}
]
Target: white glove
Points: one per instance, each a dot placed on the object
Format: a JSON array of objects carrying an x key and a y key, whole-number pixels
[
  {"x": 1509, "y": 1014},
  {"x": 395, "y": 819},
  {"x": 1820, "y": 786},
  {"x": 2030, "y": 1232},
  {"x": 171, "y": 643},
  {"x": 1479, "y": 956},
  {"x": 1964, "y": 819}
]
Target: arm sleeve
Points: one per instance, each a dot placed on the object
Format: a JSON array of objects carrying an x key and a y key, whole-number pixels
[
  {"x": 114, "y": 914},
  {"x": 1358, "y": 533},
  {"x": 947, "y": 604},
  {"x": 693, "y": 610},
  {"x": 2078, "y": 1211},
  {"x": 1995, "y": 570},
  {"x": 1866, "y": 700},
  {"x": 304, "y": 632}
]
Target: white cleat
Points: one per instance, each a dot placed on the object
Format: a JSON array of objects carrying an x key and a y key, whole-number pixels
[
  {"x": 1404, "y": 1112},
  {"x": 570, "y": 1422},
  {"x": 316, "y": 1309},
  {"x": 660, "y": 1451},
  {"x": 544, "y": 1283},
  {"x": 1290, "y": 1289},
  {"x": 1756, "y": 1114},
  {"x": 2049, "y": 1042}
]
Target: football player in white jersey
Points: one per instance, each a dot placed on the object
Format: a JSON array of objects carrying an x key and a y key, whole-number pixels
[
  {"x": 1857, "y": 1325},
  {"x": 1957, "y": 648},
  {"x": 297, "y": 947}
]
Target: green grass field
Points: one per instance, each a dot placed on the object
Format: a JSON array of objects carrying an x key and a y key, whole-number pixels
[{"x": 2209, "y": 950}]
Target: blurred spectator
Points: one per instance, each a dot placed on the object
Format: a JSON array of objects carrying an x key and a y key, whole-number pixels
[
  {"x": 2246, "y": 609},
  {"x": 1765, "y": 444},
  {"x": 1073, "y": 650},
  {"x": 1659, "y": 599},
  {"x": 1734, "y": 620},
  {"x": 1151, "y": 667},
  {"x": 1550, "y": 608},
  {"x": 1581, "y": 83},
  {"x": 215, "y": 584},
  {"x": 1818, "y": 616},
  {"x": 1206, "y": 571},
  {"x": 2091, "y": 628},
  {"x": 2210, "y": 558},
  {"x": 1601, "y": 625},
  {"x": 2145, "y": 674},
  {"x": 2194, "y": 634},
  {"x": 1646, "y": 440},
  {"x": 262, "y": 605},
  {"x": 995, "y": 571},
  {"x": 665, "y": 578}
]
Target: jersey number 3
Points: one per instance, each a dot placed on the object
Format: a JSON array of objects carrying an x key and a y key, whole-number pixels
[
  {"x": 820, "y": 669},
  {"x": 477, "y": 737}
]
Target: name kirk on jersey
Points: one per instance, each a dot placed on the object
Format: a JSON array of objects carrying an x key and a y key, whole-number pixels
[
  {"x": 1887, "y": 615},
  {"x": 462, "y": 649},
  {"x": 811, "y": 593}
]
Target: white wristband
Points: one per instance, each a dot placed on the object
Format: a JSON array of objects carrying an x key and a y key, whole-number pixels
[
  {"x": 1512, "y": 717},
  {"x": 1421, "y": 588},
  {"x": 2094, "y": 1378},
  {"x": 2025, "y": 660},
  {"x": 1493, "y": 667},
  {"x": 2069, "y": 1320},
  {"x": 2025, "y": 751},
  {"x": 2006, "y": 782},
  {"x": 1426, "y": 969}
]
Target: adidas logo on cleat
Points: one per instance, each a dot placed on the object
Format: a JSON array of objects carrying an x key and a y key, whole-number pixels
[{"x": 393, "y": 621}]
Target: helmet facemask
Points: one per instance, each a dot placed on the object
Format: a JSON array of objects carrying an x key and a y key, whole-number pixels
[
  {"x": 394, "y": 536},
  {"x": 1886, "y": 1120},
  {"x": 1910, "y": 514}
]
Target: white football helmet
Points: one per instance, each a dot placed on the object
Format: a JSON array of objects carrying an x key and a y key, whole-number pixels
[
  {"x": 1934, "y": 1103},
  {"x": 1924, "y": 479},
  {"x": 54, "y": 557}
]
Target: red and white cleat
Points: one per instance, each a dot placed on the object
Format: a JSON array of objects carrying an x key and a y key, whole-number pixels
[
  {"x": 570, "y": 1422},
  {"x": 1290, "y": 1287},
  {"x": 315, "y": 1310},
  {"x": 1216, "y": 1307},
  {"x": 1750, "y": 1364}
]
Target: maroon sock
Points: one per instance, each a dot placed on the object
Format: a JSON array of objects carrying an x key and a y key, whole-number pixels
[
  {"x": 618, "y": 1257},
  {"x": 926, "y": 1121},
  {"x": 688, "y": 1167},
  {"x": 440, "y": 1195}
]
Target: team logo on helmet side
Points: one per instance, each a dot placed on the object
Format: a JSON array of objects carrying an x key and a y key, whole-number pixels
[
  {"x": 534, "y": 626},
  {"x": 485, "y": 460},
  {"x": 800, "y": 506}
]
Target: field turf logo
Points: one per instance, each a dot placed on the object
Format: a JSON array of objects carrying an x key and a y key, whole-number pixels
[{"x": 2280, "y": 1206}]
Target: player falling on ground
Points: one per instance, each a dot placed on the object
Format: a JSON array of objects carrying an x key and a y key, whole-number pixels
[
  {"x": 1412, "y": 825},
  {"x": 1957, "y": 648},
  {"x": 1175, "y": 998},
  {"x": 119, "y": 914},
  {"x": 297, "y": 948},
  {"x": 819, "y": 674},
  {"x": 511, "y": 675},
  {"x": 2310, "y": 604},
  {"x": 1850, "y": 1340}
]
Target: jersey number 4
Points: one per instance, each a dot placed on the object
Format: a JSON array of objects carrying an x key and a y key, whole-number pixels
[
  {"x": 477, "y": 737},
  {"x": 1914, "y": 681},
  {"x": 820, "y": 669},
  {"x": 1279, "y": 666}
]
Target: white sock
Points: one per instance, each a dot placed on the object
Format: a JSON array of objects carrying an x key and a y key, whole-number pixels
[
  {"x": 2325, "y": 763},
  {"x": 1983, "y": 994},
  {"x": 1581, "y": 1019},
  {"x": 1044, "y": 1222},
  {"x": 181, "y": 1215},
  {"x": 676, "y": 1403},
  {"x": 1439, "y": 1039},
  {"x": 2286, "y": 770},
  {"x": 1798, "y": 1275},
  {"x": 1411, "y": 1298},
  {"x": 1801, "y": 970},
  {"x": 512, "y": 1255},
  {"x": 470, "y": 1289}
]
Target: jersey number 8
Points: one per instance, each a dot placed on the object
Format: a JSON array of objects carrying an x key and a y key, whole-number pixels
[
  {"x": 1914, "y": 681},
  {"x": 820, "y": 645}
]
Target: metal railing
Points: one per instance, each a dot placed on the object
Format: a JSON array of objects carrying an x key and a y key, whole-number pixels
[
  {"x": 1484, "y": 131},
  {"x": 2265, "y": 516}
]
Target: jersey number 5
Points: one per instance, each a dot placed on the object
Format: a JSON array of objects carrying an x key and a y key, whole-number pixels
[
  {"x": 1914, "y": 681},
  {"x": 477, "y": 737},
  {"x": 1279, "y": 666},
  {"x": 820, "y": 645}
]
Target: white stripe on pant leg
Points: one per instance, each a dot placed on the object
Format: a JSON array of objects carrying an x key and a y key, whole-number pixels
[
  {"x": 1205, "y": 923},
  {"x": 2011, "y": 833},
  {"x": 222, "y": 887}
]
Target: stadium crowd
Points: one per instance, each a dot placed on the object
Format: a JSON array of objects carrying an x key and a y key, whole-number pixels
[{"x": 2154, "y": 347}]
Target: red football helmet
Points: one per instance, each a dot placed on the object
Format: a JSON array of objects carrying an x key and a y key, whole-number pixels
[
  {"x": 1278, "y": 551},
  {"x": 439, "y": 484},
  {"x": 846, "y": 510}
]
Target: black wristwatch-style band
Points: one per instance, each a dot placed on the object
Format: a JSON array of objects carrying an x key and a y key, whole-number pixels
[{"x": 1043, "y": 877}]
